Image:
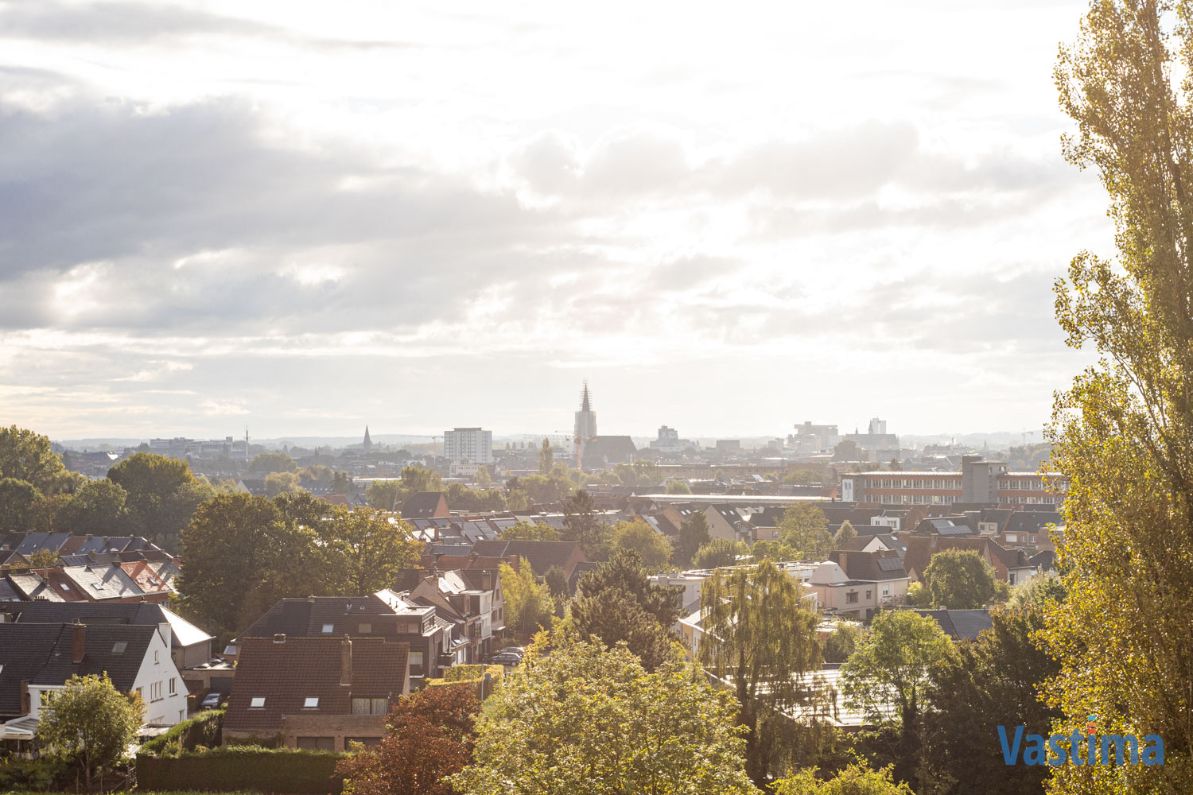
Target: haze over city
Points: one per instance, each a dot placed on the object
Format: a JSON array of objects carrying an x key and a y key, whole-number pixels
[{"x": 308, "y": 219}]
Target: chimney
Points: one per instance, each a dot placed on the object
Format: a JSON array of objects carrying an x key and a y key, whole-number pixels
[
  {"x": 346, "y": 662},
  {"x": 78, "y": 642}
]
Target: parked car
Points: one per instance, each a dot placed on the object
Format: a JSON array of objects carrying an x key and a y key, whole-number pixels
[
  {"x": 212, "y": 700},
  {"x": 517, "y": 651},
  {"x": 505, "y": 658}
]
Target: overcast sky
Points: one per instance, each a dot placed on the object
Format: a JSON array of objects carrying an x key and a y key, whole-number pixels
[{"x": 729, "y": 217}]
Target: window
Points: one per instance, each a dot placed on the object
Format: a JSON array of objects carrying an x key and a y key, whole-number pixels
[
  {"x": 155, "y": 691},
  {"x": 869, "y": 594},
  {"x": 310, "y": 702},
  {"x": 119, "y": 646},
  {"x": 329, "y": 628},
  {"x": 851, "y": 598},
  {"x": 257, "y": 702},
  {"x": 370, "y": 706},
  {"x": 366, "y": 629},
  {"x": 317, "y": 743},
  {"x": 173, "y": 686},
  {"x": 156, "y": 657},
  {"x": 416, "y": 658}
]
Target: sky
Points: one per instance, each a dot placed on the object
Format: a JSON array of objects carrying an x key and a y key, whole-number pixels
[{"x": 305, "y": 217}]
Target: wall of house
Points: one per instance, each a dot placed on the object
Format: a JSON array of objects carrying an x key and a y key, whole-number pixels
[
  {"x": 340, "y": 728},
  {"x": 154, "y": 678}
]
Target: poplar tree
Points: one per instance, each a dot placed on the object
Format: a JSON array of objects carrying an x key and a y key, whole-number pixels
[{"x": 1123, "y": 433}]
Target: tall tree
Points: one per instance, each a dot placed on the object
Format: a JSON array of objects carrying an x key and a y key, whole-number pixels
[
  {"x": 530, "y": 531},
  {"x": 528, "y": 603},
  {"x": 693, "y": 534},
  {"x": 546, "y": 457},
  {"x": 589, "y": 719},
  {"x": 89, "y": 723},
  {"x": 19, "y": 501},
  {"x": 857, "y": 778},
  {"x": 582, "y": 525},
  {"x": 362, "y": 550},
  {"x": 272, "y": 461},
  {"x": 1124, "y": 431},
  {"x": 617, "y": 603},
  {"x": 651, "y": 546},
  {"x": 845, "y": 533},
  {"x": 716, "y": 553},
  {"x": 994, "y": 681},
  {"x": 960, "y": 579},
  {"x": 162, "y": 494},
  {"x": 760, "y": 640},
  {"x": 385, "y": 495},
  {"x": 428, "y": 737},
  {"x": 888, "y": 673},
  {"x": 96, "y": 507},
  {"x": 804, "y": 528},
  {"x": 28, "y": 456}
]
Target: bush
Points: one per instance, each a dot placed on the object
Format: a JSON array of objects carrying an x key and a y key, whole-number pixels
[
  {"x": 233, "y": 768},
  {"x": 30, "y": 774},
  {"x": 201, "y": 730}
]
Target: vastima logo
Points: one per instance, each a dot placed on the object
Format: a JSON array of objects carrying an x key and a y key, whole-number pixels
[{"x": 1080, "y": 749}]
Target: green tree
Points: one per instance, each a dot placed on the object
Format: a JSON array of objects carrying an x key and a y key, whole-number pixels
[
  {"x": 845, "y": 533},
  {"x": 162, "y": 494},
  {"x": 419, "y": 478},
  {"x": 589, "y": 719},
  {"x": 89, "y": 723},
  {"x": 676, "y": 486},
  {"x": 887, "y": 675},
  {"x": 716, "y": 553},
  {"x": 281, "y": 483},
  {"x": 242, "y": 555},
  {"x": 856, "y": 779},
  {"x": 1123, "y": 431},
  {"x": 773, "y": 550},
  {"x": 96, "y": 507},
  {"x": 362, "y": 551},
  {"x": 582, "y": 524},
  {"x": 528, "y": 603},
  {"x": 19, "y": 501},
  {"x": 530, "y": 531},
  {"x": 556, "y": 582},
  {"x": 960, "y": 579},
  {"x": 693, "y": 534},
  {"x": 616, "y": 602},
  {"x": 842, "y": 641},
  {"x": 385, "y": 495},
  {"x": 272, "y": 461},
  {"x": 760, "y": 640},
  {"x": 804, "y": 528},
  {"x": 546, "y": 457},
  {"x": 28, "y": 456},
  {"x": 651, "y": 546},
  {"x": 993, "y": 681}
]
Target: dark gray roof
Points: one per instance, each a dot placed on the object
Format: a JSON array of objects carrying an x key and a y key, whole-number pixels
[
  {"x": 308, "y": 617},
  {"x": 960, "y": 624},
  {"x": 41, "y": 655}
]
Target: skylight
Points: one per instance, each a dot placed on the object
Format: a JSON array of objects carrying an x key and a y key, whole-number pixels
[
  {"x": 310, "y": 702},
  {"x": 119, "y": 646},
  {"x": 328, "y": 629},
  {"x": 257, "y": 702}
]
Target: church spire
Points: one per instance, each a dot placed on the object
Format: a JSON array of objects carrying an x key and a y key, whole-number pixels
[
  {"x": 585, "y": 404},
  {"x": 368, "y": 443}
]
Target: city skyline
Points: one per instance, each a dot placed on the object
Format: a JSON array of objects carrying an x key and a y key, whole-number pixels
[{"x": 305, "y": 220}]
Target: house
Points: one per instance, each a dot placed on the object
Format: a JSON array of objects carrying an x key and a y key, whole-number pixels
[
  {"x": 1010, "y": 565},
  {"x": 426, "y": 505},
  {"x": 876, "y": 542},
  {"x": 319, "y": 693},
  {"x": 385, "y": 614},
  {"x": 960, "y": 624},
  {"x": 36, "y": 659},
  {"x": 541, "y": 555},
  {"x": 189, "y": 645},
  {"x": 856, "y": 583}
]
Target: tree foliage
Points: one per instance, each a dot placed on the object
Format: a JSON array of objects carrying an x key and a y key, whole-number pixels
[
  {"x": 804, "y": 528},
  {"x": 530, "y": 531},
  {"x": 617, "y": 603},
  {"x": 96, "y": 507},
  {"x": 693, "y": 534},
  {"x": 1124, "y": 431},
  {"x": 89, "y": 723},
  {"x": 716, "y": 553},
  {"x": 19, "y": 501},
  {"x": 887, "y": 675},
  {"x": 960, "y": 579},
  {"x": 528, "y": 603},
  {"x": 651, "y": 546},
  {"x": 856, "y": 779},
  {"x": 589, "y": 719},
  {"x": 760, "y": 640},
  {"x": 583, "y": 525},
  {"x": 28, "y": 456},
  {"x": 428, "y": 737},
  {"x": 161, "y": 495},
  {"x": 845, "y": 533}
]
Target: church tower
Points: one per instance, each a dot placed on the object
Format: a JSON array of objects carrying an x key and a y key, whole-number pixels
[
  {"x": 368, "y": 443},
  {"x": 586, "y": 426}
]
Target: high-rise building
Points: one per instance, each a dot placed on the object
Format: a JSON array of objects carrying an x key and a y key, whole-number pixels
[{"x": 468, "y": 446}]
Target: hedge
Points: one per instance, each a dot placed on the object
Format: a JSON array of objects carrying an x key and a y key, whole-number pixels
[
  {"x": 471, "y": 675},
  {"x": 233, "y": 768},
  {"x": 202, "y": 729}
]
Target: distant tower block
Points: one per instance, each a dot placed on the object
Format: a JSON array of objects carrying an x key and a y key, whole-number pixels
[{"x": 586, "y": 426}]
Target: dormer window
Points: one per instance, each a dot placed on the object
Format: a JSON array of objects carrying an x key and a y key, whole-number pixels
[
  {"x": 310, "y": 702},
  {"x": 257, "y": 702}
]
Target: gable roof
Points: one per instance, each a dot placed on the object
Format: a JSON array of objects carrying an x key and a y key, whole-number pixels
[
  {"x": 542, "y": 555},
  {"x": 308, "y": 617},
  {"x": 287, "y": 671},
  {"x": 425, "y": 505},
  {"x": 960, "y": 624},
  {"x": 41, "y": 654},
  {"x": 182, "y": 632}
]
